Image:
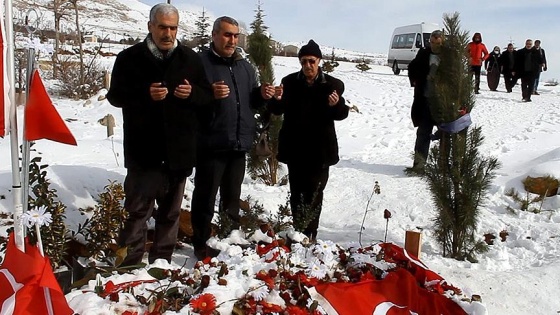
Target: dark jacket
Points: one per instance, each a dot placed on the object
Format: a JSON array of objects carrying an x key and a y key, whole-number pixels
[
  {"x": 527, "y": 61},
  {"x": 229, "y": 124},
  {"x": 543, "y": 58},
  {"x": 418, "y": 70},
  {"x": 308, "y": 133},
  {"x": 507, "y": 61},
  {"x": 493, "y": 61},
  {"x": 158, "y": 132}
]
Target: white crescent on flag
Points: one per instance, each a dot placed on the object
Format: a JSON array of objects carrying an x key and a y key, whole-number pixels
[
  {"x": 7, "y": 308},
  {"x": 384, "y": 307}
]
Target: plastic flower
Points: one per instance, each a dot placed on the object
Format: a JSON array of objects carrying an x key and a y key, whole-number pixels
[
  {"x": 205, "y": 304},
  {"x": 38, "y": 216}
]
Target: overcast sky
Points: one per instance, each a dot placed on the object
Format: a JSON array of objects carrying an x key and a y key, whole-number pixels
[{"x": 366, "y": 25}]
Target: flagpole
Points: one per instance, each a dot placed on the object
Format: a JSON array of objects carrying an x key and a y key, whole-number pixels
[
  {"x": 16, "y": 175},
  {"x": 26, "y": 146}
]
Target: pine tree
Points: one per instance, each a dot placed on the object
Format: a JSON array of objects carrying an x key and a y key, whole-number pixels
[
  {"x": 457, "y": 175},
  {"x": 330, "y": 65},
  {"x": 201, "y": 35},
  {"x": 260, "y": 54},
  {"x": 363, "y": 65}
]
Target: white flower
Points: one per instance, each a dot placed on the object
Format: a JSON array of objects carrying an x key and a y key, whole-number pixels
[
  {"x": 38, "y": 216},
  {"x": 317, "y": 270},
  {"x": 260, "y": 292}
]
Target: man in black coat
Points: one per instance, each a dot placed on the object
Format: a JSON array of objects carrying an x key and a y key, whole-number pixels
[
  {"x": 527, "y": 64},
  {"x": 159, "y": 85},
  {"x": 311, "y": 101},
  {"x": 420, "y": 69},
  {"x": 541, "y": 68},
  {"x": 227, "y": 131},
  {"x": 507, "y": 63}
]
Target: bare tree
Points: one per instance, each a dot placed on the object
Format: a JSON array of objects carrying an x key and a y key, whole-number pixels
[{"x": 60, "y": 8}]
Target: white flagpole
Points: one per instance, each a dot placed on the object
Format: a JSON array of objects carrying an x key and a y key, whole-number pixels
[{"x": 16, "y": 175}]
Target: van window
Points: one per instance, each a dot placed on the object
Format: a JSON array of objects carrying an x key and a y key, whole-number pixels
[
  {"x": 405, "y": 41},
  {"x": 427, "y": 39}
]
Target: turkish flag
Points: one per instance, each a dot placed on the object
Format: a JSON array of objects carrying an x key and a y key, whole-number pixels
[
  {"x": 397, "y": 294},
  {"x": 24, "y": 280},
  {"x": 42, "y": 121},
  {"x": 4, "y": 85}
]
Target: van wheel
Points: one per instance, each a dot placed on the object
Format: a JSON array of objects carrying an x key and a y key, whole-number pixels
[{"x": 396, "y": 69}]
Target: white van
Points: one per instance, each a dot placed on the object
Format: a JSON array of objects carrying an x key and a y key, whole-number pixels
[{"x": 405, "y": 43}]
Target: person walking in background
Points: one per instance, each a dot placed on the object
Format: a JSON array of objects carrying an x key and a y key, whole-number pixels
[
  {"x": 311, "y": 101},
  {"x": 492, "y": 67},
  {"x": 227, "y": 131},
  {"x": 542, "y": 67},
  {"x": 477, "y": 53},
  {"x": 420, "y": 71},
  {"x": 507, "y": 64},
  {"x": 159, "y": 85},
  {"x": 527, "y": 64}
]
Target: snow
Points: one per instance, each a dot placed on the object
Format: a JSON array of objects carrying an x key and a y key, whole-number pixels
[{"x": 517, "y": 276}]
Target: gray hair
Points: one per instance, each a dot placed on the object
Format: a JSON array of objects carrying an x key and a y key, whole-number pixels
[
  {"x": 216, "y": 27},
  {"x": 163, "y": 9}
]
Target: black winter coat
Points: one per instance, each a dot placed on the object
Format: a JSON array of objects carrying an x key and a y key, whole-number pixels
[
  {"x": 507, "y": 61},
  {"x": 418, "y": 70},
  {"x": 163, "y": 132},
  {"x": 492, "y": 61},
  {"x": 527, "y": 61},
  {"x": 308, "y": 133},
  {"x": 229, "y": 124}
]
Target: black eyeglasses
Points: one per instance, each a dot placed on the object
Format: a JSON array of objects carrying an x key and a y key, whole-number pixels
[{"x": 310, "y": 61}]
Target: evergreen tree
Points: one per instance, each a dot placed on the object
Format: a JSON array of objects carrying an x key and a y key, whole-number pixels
[
  {"x": 330, "y": 65},
  {"x": 201, "y": 34},
  {"x": 457, "y": 175},
  {"x": 260, "y": 54},
  {"x": 363, "y": 65}
]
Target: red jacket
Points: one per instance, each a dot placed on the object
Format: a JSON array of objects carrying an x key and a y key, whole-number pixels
[{"x": 477, "y": 53}]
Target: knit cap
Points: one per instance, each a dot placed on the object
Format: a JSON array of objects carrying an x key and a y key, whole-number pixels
[{"x": 311, "y": 49}]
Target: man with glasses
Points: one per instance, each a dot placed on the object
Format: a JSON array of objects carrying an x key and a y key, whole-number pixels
[
  {"x": 527, "y": 63},
  {"x": 159, "y": 85},
  {"x": 227, "y": 131},
  {"x": 310, "y": 101}
]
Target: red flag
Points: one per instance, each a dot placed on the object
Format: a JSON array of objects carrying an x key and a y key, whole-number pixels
[
  {"x": 42, "y": 121},
  {"x": 4, "y": 85},
  {"x": 397, "y": 294},
  {"x": 23, "y": 279}
]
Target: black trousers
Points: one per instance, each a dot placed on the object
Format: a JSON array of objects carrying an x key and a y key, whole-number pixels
[
  {"x": 307, "y": 183},
  {"x": 223, "y": 170},
  {"x": 510, "y": 80},
  {"x": 476, "y": 71},
  {"x": 527, "y": 82},
  {"x": 142, "y": 189},
  {"x": 422, "y": 144}
]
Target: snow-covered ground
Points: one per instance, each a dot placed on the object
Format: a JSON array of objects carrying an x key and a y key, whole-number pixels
[{"x": 518, "y": 276}]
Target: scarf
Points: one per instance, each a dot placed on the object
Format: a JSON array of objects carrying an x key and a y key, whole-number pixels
[{"x": 155, "y": 50}]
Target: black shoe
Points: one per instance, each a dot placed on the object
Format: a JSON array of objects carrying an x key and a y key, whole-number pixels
[
  {"x": 536, "y": 93},
  {"x": 476, "y": 92},
  {"x": 202, "y": 253},
  {"x": 509, "y": 91},
  {"x": 528, "y": 100}
]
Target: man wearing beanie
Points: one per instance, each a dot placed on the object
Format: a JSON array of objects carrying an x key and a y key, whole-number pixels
[{"x": 311, "y": 101}]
